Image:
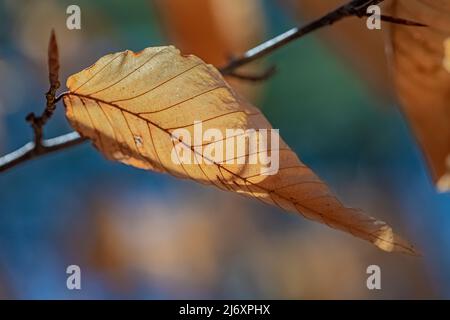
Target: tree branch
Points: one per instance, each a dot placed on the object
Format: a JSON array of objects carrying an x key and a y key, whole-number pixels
[
  {"x": 41, "y": 147},
  {"x": 356, "y": 8},
  {"x": 266, "y": 74},
  {"x": 38, "y": 123},
  {"x": 29, "y": 151}
]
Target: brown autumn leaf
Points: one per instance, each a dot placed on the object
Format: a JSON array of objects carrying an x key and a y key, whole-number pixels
[
  {"x": 420, "y": 68},
  {"x": 131, "y": 104}
]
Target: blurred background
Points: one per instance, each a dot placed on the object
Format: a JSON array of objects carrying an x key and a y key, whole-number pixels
[{"x": 138, "y": 234}]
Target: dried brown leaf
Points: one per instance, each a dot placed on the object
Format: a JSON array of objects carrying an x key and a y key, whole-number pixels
[
  {"x": 129, "y": 105},
  {"x": 422, "y": 75}
]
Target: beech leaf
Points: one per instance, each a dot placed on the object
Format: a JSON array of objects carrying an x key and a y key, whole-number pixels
[
  {"x": 421, "y": 70},
  {"x": 131, "y": 104}
]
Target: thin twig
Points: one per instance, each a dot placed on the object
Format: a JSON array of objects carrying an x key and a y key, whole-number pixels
[
  {"x": 38, "y": 123},
  {"x": 29, "y": 150},
  {"x": 353, "y": 8},
  {"x": 402, "y": 21},
  {"x": 266, "y": 74},
  {"x": 41, "y": 147}
]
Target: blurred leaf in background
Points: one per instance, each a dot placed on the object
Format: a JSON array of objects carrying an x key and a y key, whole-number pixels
[
  {"x": 415, "y": 55},
  {"x": 216, "y": 31},
  {"x": 422, "y": 81}
]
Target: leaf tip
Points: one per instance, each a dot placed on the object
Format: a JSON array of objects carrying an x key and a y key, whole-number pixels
[
  {"x": 443, "y": 184},
  {"x": 388, "y": 241}
]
